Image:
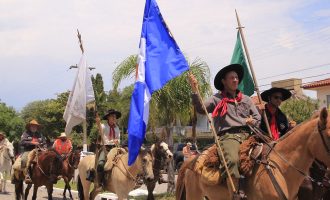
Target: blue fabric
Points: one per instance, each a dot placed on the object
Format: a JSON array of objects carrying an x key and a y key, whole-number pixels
[{"x": 163, "y": 62}]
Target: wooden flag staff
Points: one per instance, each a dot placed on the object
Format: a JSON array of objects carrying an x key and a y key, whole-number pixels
[{"x": 240, "y": 29}]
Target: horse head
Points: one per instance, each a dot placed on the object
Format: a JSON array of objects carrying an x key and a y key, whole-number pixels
[
  {"x": 74, "y": 158},
  {"x": 146, "y": 159},
  {"x": 322, "y": 139},
  {"x": 9, "y": 152}
]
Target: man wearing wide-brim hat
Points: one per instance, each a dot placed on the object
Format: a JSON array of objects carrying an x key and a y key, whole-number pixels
[
  {"x": 111, "y": 138},
  {"x": 277, "y": 120},
  {"x": 30, "y": 139},
  {"x": 231, "y": 111},
  {"x": 62, "y": 145}
]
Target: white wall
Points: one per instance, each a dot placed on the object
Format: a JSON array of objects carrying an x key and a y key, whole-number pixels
[{"x": 322, "y": 93}]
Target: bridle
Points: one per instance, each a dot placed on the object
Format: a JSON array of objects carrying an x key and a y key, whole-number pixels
[
  {"x": 324, "y": 141},
  {"x": 72, "y": 159}
]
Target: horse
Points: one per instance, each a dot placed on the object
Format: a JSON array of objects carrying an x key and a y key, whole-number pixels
[
  {"x": 289, "y": 161},
  {"x": 6, "y": 160},
  {"x": 317, "y": 186},
  {"x": 44, "y": 172},
  {"x": 121, "y": 179},
  {"x": 70, "y": 163},
  {"x": 161, "y": 154}
]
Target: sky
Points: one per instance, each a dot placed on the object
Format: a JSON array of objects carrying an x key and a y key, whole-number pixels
[{"x": 38, "y": 41}]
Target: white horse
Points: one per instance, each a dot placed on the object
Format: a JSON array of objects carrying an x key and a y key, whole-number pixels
[{"x": 7, "y": 158}]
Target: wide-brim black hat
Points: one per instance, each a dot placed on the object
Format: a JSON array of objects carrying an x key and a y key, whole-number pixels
[
  {"x": 111, "y": 112},
  {"x": 222, "y": 73},
  {"x": 266, "y": 94}
]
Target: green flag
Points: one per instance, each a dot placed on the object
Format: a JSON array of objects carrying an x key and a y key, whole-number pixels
[{"x": 246, "y": 86}]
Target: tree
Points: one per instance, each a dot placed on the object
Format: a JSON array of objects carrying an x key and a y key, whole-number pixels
[
  {"x": 172, "y": 102},
  {"x": 299, "y": 110},
  {"x": 11, "y": 123}
]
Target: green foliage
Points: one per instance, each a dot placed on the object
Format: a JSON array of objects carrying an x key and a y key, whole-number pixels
[
  {"x": 299, "y": 110},
  {"x": 10, "y": 122}
]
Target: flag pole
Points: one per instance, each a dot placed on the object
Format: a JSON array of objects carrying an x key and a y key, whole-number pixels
[
  {"x": 240, "y": 29},
  {"x": 84, "y": 122}
]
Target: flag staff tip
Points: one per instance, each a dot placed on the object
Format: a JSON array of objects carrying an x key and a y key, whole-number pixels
[{"x": 80, "y": 41}]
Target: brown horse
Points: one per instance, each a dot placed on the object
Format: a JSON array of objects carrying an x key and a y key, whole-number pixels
[
  {"x": 121, "y": 179},
  {"x": 162, "y": 155},
  {"x": 70, "y": 163},
  {"x": 289, "y": 160},
  {"x": 44, "y": 172}
]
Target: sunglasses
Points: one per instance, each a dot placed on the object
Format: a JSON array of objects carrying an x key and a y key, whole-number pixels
[{"x": 278, "y": 97}]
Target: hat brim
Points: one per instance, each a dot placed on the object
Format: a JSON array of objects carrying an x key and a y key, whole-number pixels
[
  {"x": 222, "y": 73},
  {"x": 118, "y": 115},
  {"x": 286, "y": 94}
]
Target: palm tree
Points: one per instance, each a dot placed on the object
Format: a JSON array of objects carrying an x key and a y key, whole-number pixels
[{"x": 172, "y": 102}]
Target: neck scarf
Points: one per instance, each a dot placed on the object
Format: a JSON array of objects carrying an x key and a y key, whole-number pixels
[
  {"x": 222, "y": 105},
  {"x": 273, "y": 125},
  {"x": 112, "y": 132}
]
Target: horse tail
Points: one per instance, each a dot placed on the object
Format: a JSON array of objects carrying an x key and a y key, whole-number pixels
[
  {"x": 80, "y": 189},
  {"x": 180, "y": 186}
]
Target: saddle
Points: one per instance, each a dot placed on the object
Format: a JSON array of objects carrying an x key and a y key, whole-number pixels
[
  {"x": 113, "y": 157},
  {"x": 210, "y": 168}
]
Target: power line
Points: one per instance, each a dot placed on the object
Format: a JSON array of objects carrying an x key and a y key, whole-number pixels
[
  {"x": 304, "y": 69},
  {"x": 307, "y": 77}
]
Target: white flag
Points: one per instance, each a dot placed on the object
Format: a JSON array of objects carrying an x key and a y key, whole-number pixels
[{"x": 82, "y": 93}]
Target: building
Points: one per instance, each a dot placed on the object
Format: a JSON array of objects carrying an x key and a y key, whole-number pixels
[{"x": 322, "y": 87}]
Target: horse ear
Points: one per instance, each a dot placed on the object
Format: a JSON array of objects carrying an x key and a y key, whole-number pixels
[{"x": 323, "y": 118}]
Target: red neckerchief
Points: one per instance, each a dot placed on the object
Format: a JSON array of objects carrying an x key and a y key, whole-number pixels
[
  {"x": 222, "y": 105},
  {"x": 112, "y": 132},
  {"x": 273, "y": 125}
]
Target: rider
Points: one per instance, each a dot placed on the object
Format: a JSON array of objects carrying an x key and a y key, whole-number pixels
[
  {"x": 30, "y": 139},
  {"x": 62, "y": 145},
  {"x": 232, "y": 111},
  {"x": 111, "y": 138},
  {"x": 278, "y": 122}
]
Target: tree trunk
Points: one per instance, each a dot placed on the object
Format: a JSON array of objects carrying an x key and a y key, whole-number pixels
[{"x": 170, "y": 166}]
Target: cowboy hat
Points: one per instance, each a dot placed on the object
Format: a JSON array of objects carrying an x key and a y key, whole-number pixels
[
  {"x": 32, "y": 122},
  {"x": 112, "y": 112},
  {"x": 189, "y": 144},
  {"x": 2, "y": 133},
  {"x": 62, "y": 135},
  {"x": 222, "y": 73},
  {"x": 266, "y": 94}
]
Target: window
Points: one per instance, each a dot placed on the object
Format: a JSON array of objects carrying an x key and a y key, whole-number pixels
[{"x": 328, "y": 101}]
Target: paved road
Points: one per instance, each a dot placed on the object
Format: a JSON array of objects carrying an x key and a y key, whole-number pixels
[{"x": 57, "y": 194}]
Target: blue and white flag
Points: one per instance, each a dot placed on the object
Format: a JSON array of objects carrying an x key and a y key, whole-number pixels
[{"x": 160, "y": 60}]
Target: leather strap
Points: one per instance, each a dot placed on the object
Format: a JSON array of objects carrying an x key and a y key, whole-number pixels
[{"x": 275, "y": 183}]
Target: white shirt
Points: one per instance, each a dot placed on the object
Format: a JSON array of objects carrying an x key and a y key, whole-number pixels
[{"x": 106, "y": 131}]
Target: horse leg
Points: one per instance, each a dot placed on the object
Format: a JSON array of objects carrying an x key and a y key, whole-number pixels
[
  {"x": 69, "y": 188},
  {"x": 1, "y": 181},
  {"x": 151, "y": 186},
  {"x": 4, "y": 182},
  {"x": 95, "y": 192},
  {"x": 19, "y": 190},
  {"x": 27, "y": 190},
  {"x": 50, "y": 191},
  {"x": 35, "y": 192}
]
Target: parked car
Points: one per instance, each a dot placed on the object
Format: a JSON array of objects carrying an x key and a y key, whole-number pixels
[{"x": 178, "y": 155}]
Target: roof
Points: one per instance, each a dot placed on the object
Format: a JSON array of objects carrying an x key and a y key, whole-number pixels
[{"x": 317, "y": 84}]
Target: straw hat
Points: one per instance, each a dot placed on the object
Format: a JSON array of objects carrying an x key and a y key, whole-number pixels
[
  {"x": 189, "y": 144},
  {"x": 2, "y": 133},
  {"x": 62, "y": 135},
  {"x": 32, "y": 122}
]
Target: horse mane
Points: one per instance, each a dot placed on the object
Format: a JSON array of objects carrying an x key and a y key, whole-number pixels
[{"x": 315, "y": 115}]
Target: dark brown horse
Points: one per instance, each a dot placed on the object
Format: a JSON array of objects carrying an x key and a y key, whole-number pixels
[
  {"x": 70, "y": 163},
  {"x": 44, "y": 172},
  {"x": 161, "y": 155},
  {"x": 317, "y": 186}
]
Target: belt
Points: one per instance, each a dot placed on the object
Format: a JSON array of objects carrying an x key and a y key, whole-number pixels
[{"x": 241, "y": 129}]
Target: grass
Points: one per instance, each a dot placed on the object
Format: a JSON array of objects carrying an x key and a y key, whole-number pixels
[{"x": 61, "y": 184}]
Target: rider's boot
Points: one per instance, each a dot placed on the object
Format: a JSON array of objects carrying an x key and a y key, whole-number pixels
[
  {"x": 28, "y": 175},
  {"x": 240, "y": 194}
]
